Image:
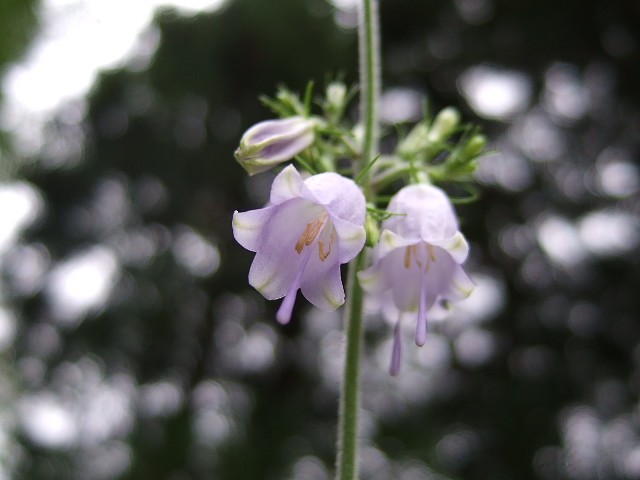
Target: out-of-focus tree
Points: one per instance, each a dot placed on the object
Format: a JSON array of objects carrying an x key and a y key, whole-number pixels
[{"x": 142, "y": 353}]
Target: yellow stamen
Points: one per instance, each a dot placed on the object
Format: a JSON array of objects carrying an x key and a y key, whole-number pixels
[
  {"x": 415, "y": 253},
  {"x": 322, "y": 253},
  {"x": 407, "y": 257},
  {"x": 432, "y": 257},
  {"x": 310, "y": 233}
]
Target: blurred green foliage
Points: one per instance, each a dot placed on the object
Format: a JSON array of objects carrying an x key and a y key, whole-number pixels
[{"x": 155, "y": 172}]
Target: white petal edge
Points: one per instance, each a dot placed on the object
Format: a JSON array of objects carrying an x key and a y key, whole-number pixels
[
  {"x": 389, "y": 241},
  {"x": 326, "y": 292},
  {"x": 286, "y": 186},
  {"x": 351, "y": 239},
  {"x": 372, "y": 279},
  {"x": 460, "y": 287},
  {"x": 247, "y": 227},
  {"x": 340, "y": 195},
  {"x": 456, "y": 246}
]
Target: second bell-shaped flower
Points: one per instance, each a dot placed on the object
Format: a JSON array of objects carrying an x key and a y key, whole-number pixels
[
  {"x": 418, "y": 257},
  {"x": 309, "y": 228}
]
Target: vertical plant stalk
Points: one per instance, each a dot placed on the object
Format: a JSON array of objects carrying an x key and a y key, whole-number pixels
[
  {"x": 369, "y": 53},
  {"x": 347, "y": 452}
]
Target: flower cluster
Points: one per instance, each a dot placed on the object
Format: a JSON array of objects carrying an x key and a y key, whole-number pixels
[{"x": 319, "y": 219}]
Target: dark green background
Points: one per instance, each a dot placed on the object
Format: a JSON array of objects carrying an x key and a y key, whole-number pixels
[{"x": 558, "y": 396}]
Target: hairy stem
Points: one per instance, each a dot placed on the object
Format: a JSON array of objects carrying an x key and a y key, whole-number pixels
[
  {"x": 347, "y": 460},
  {"x": 369, "y": 53},
  {"x": 347, "y": 457}
]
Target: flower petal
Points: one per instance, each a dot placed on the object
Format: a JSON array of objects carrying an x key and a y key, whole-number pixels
[
  {"x": 287, "y": 185},
  {"x": 460, "y": 286},
  {"x": 372, "y": 279},
  {"x": 426, "y": 212},
  {"x": 404, "y": 281},
  {"x": 248, "y": 226},
  {"x": 456, "y": 245},
  {"x": 447, "y": 278},
  {"x": 351, "y": 238},
  {"x": 277, "y": 261},
  {"x": 286, "y": 149},
  {"x": 421, "y": 324},
  {"x": 389, "y": 241},
  {"x": 325, "y": 292},
  {"x": 324, "y": 252},
  {"x": 270, "y": 130},
  {"x": 341, "y": 196}
]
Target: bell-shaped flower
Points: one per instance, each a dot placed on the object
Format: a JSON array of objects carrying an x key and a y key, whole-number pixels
[
  {"x": 418, "y": 258},
  {"x": 307, "y": 230},
  {"x": 272, "y": 142}
]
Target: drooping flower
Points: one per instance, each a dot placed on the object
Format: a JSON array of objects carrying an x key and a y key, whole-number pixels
[
  {"x": 418, "y": 258},
  {"x": 272, "y": 142},
  {"x": 308, "y": 229}
]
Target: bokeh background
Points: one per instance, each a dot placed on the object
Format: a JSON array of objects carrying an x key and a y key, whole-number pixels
[{"x": 131, "y": 346}]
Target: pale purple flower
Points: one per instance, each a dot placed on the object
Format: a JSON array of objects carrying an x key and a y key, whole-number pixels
[
  {"x": 418, "y": 258},
  {"x": 308, "y": 229},
  {"x": 272, "y": 142}
]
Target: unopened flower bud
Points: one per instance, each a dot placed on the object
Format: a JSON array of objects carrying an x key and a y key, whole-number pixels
[
  {"x": 474, "y": 147},
  {"x": 445, "y": 122},
  {"x": 272, "y": 142},
  {"x": 373, "y": 231},
  {"x": 415, "y": 141},
  {"x": 336, "y": 94}
]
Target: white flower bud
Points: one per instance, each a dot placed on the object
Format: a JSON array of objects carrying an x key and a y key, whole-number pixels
[{"x": 272, "y": 142}]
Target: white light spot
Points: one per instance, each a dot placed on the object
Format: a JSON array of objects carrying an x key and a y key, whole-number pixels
[
  {"x": 561, "y": 242},
  {"x": 81, "y": 284},
  {"x": 566, "y": 97},
  {"x": 538, "y": 137},
  {"x": 195, "y": 253},
  {"x": 21, "y": 205},
  {"x": 475, "y": 12},
  {"x": 617, "y": 176},
  {"x": 632, "y": 463},
  {"x": 46, "y": 422},
  {"x": 486, "y": 300},
  {"x": 345, "y": 4},
  {"x": 161, "y": 398},
  {"x": 7, "y": 329},
  {"x": 494, "y": 93},
  {"x": 399, "y": 105},
  {"x": 508, "y": 170},
  {"x": 609, "y": 232},
  {"x": 78, "y": 38},
  {"x": 474, "y": 347},
  {"x": 310, "y": 468}
]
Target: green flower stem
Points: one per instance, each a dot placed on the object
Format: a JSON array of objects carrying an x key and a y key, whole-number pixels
[
  {"x": 369, "y": 80},
  {"x": 347, "y": 460},
  {"x": 347, "y": 456}
]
